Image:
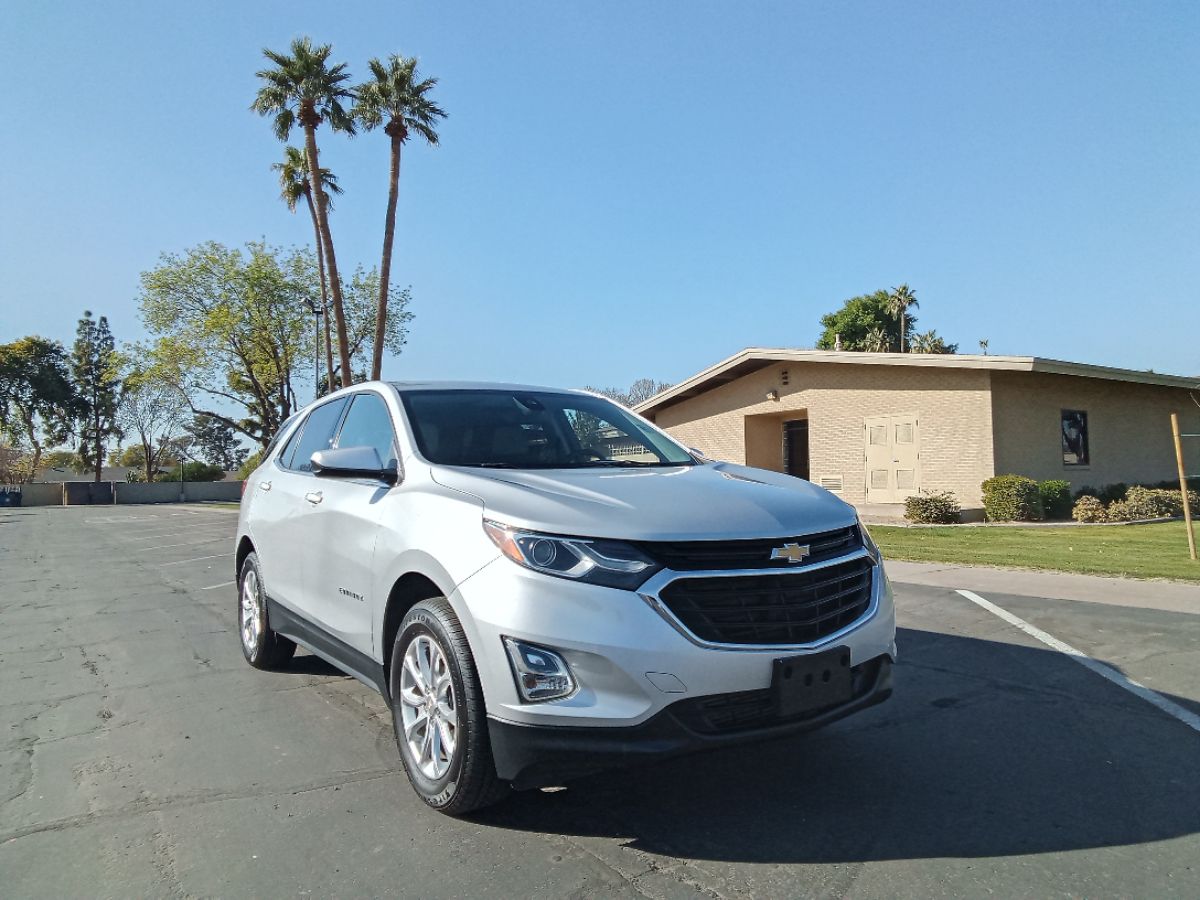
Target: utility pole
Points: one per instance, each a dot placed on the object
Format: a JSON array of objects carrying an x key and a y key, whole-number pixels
[{"x": 1183, "y": 485}]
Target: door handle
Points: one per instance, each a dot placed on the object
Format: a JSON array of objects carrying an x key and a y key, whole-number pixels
[
  {"x": 264, "y": 485},
  {"x": 314, "y": 497}
]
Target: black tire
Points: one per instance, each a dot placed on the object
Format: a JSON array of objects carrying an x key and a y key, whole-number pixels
[
  {"x": 263, "y": 649},
  {"x": 469, "y": 783}
]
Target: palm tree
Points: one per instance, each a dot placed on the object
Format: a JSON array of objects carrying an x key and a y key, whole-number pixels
[
  {"x": 396, "y": 98},
  {"x": 304, "y": 88},
  {"x": 876, "y": 341},
  {"x": 983, "y": 346},
  {"x": 294, "y": 183},
  {"x": 899, "y": 301}
]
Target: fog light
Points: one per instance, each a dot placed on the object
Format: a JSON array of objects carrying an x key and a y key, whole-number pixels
[{"x": 541, "y": 674}]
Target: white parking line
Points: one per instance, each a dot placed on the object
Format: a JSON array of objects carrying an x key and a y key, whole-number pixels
[
  {"x": 180, "y": 562},
  {"x": 154, "y": 537},
  {"x": 213, "y": 587},
  {"x": 188, "y": 543},
  {"x": 1154, "y": 698}
]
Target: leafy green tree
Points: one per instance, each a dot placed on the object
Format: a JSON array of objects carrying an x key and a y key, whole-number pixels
[
  {"x": 38, "y": 402},
  {"x": 930, "y": 342},
  {"x": 194, "y": 471},
  {"x": 900, "y": 300},
  {"x": 152, "y": 410},
  {"x": 95, "y": 367},
  {"x": 233, "y": 330},
  {"x": 362, "y": 293},
  {"x": 304, "y": 88},
  {"x": 253, "y": 461},
  {"x": 215, "y": 443},
  {"x": 62, "y": 459},
  {"x": 16, "y": 466},
  {"x": 231, "y": 327},
  {"x": 396, "y": 98},
  {"x": 859, "y": 320},
  {"x": 294, "y": 184}
]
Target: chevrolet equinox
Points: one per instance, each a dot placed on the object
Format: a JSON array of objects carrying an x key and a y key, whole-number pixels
[{"x": 542, "y": 583}]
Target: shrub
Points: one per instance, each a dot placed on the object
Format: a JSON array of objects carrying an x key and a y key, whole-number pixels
[
  {"x": 1056, "y": 498},
  {"x": 933, "y": 508},
  {"x": 1012, "y": 498},
  {"x": 1089, "y": 509},
  {"x": 1149, "y": 503}
]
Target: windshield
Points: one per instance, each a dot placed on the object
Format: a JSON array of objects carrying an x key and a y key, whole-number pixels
[{"x": 533, "y": 430}]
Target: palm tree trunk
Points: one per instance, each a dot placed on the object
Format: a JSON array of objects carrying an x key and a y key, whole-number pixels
[
  {"x": 324, "y": 294},
  {"x": 335, "y": 282},
  {"x": 385, "y": 267},
  {"x": 903, "y": 312}
]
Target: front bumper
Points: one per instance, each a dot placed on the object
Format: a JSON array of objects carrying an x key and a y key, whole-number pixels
[
  {"x": 531, "y": 756},
  {"x": 629, "y": 661}
]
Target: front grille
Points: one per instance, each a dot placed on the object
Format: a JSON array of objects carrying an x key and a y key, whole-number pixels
[
  {"x": 748, "y": 710},
  {"x": 773, "y": 608},
  {"x": 691, "y": 556}
]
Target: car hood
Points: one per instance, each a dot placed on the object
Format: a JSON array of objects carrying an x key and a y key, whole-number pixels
[{"x": 705, "y": 502}]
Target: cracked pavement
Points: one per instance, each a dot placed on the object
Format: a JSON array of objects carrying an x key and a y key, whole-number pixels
[{"x": 140, "y": 756}]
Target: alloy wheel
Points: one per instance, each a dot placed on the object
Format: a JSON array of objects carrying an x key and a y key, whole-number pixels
[
  {"x": 251, "y": 611},
  {"x": 428, "y": 708}
]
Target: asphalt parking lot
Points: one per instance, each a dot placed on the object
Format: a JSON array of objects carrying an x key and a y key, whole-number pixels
[{"x": 140, "y": 756}]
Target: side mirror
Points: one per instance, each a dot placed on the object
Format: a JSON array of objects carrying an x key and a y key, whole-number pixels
[{"x": 353, "y": 462}]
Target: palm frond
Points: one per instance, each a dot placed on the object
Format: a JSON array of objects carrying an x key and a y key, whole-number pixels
[{"x": 397, "y": 95}]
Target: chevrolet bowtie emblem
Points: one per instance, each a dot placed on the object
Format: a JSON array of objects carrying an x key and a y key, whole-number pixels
[{"x": 793, "y": 553}]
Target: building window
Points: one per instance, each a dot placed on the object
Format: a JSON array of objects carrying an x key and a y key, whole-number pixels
[{"x": 1074, "y": 438}]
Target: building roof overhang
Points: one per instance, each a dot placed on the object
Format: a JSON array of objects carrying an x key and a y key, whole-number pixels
[{"x": 754, "y": 358}]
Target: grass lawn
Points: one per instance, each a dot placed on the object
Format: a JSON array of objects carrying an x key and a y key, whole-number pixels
[{"x": 1135, "y": 551}]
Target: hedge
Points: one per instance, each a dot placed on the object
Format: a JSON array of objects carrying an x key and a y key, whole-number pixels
[
  {"x": 933, "y": 508},
  {"x": 1012, "y": 498},
  {"x": 1056, "y": 498}
]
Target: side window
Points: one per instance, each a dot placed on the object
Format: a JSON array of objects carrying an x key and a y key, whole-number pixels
[
  {"x": 369, "y": 424},
  {"x": 316, "y": 433}
]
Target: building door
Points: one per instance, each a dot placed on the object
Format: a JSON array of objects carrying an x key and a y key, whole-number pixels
[
  {"x": 795, "y": 448},
  {"x": 893, "y": 458}
]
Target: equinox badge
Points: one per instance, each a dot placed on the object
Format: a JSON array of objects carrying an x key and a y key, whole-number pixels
[{"x": 793, "y": 553}]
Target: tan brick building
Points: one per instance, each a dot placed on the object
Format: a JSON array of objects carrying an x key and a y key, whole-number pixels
[{"x": 878, "y": 427}]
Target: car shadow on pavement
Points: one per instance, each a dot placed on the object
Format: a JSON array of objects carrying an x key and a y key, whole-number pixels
[
  {"x": 310, "y": 664},
  {"x": 985, "y": 749}
]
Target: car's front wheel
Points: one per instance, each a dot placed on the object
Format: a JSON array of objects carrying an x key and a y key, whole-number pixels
[
  {"x": 439, "y": 714},
  {"x": 262, "y": 647}
]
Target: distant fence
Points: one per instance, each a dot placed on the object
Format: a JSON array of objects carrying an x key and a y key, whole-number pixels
[
  {"x": 169, "y": 491},
  {"x": 73, "y": 493}
]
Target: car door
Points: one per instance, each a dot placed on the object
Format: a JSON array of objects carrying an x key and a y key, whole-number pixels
[
  {"x": 280, "y": 509},
  {"x": 341, "y": 528}
]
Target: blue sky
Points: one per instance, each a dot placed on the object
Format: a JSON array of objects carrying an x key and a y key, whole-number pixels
[{"x": 641, "y": 189}]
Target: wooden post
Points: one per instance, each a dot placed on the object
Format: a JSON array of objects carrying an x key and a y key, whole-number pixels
[{"x": 1183, "y": 486}]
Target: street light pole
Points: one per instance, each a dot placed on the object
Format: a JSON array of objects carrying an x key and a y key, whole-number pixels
[{"x": 316, "y": 311}]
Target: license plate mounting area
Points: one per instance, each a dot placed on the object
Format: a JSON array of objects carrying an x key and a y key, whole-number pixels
[{"x": 813, "y": 681}]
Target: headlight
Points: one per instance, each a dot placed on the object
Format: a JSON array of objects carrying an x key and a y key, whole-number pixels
[
  {"x": 871, "y": 547},
  {"x": 596, "y": 561}
]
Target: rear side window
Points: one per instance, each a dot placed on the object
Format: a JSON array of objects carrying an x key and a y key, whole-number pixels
[
  {"x": 369, "y": 424},
  {"x": 315, "y": 433}
]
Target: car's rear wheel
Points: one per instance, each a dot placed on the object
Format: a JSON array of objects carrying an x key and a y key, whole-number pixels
[
  {"x": 262, "y": 647},
  {"x": 439, "y": 714}
]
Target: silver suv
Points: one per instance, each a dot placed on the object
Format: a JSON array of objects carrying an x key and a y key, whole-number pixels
[{"x": 543, "y": 584}]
